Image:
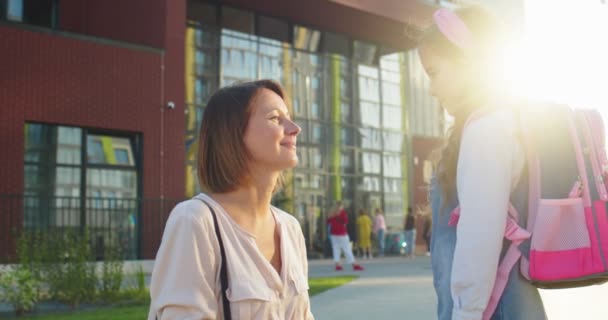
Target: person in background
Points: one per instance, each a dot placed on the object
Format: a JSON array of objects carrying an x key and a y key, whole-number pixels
[
  {"x": 340, "y": 242},
  {"x": 380, "y": 231},
  {"x": 426, "y": 233},
  {"x": 410, "y": 234},
  {"x": 364, "y": 230}
]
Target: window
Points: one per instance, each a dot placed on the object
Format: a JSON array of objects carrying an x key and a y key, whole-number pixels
[
  {"x": 122, "y": 156},
  {"x": 306, "y": 39},
  {"x": 347, "y": 136},
  {"x": 391, "y": 165},
  {"x": 391, "y": 117},
  {"x": 368, "y": 84},
  {"x": 95, "y": 152},
  {"x": 393, "y": 141},
  {"x": 14, "y": 9},
  {"x": 393, "y": 186},
  {"x": 370, "y": 162},
  {"x": 75, "y": 178},
  {"x": 103, "y": 150},
  {"x": 316, "y": 158},
  {"x": 370, "y": 138},
  {"x": 347, "y": 161},
  {"x": 317, "y": 181},
  {"x": 370, "y": 184},
  {"x": 318, "y": 131},
  {"x": 304, "y": 134},
  {"x": 36, "y": 12},
  {"x": 364, "y": 53},
  {"x": 370, "y": 114},
  {"x": 345, "y": 112},
  {"x": 302, "y": 153}
]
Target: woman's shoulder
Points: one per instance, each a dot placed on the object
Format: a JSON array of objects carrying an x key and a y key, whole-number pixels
[
  {"x": 287, "y": 219},
  {"x": 191, "y": 210}
]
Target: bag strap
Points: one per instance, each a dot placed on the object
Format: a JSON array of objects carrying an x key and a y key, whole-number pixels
[
  {"x": 223, "y": 269},
  {"x": 585, "y": 123}
]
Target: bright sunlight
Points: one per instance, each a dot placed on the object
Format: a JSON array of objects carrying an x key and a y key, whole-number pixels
[{"x": 564, "y": 55}]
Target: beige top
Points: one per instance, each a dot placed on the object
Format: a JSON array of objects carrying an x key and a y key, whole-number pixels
[{"x": 185, "y": 280}]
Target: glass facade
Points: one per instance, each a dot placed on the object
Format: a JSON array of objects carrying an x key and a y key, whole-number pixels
[
  {"x": 75, "y": 178},
  {"x": 353, "y": 141},
  {"x": 427, "y": 118}
]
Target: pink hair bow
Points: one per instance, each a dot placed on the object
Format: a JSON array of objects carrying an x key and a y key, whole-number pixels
[{"x": 453, "y": 28}]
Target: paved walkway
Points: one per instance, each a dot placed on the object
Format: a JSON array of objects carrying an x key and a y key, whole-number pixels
[
  {"x": 399, "y": 288},
  {"x": 389, "y": 288}
]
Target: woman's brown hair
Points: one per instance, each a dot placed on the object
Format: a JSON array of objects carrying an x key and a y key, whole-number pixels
[
  {"x": 488, "y": 36},
  {"x": 222, "y": 156}
]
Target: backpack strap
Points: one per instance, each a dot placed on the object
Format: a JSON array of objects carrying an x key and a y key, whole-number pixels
[
  {"x": 596, "y": 123},
  {"x": 223, "y": 268},
  {"x": 580, "y": 159},
  {"x": 585, "y": 124},
  {"x": 517, "y": 235}
]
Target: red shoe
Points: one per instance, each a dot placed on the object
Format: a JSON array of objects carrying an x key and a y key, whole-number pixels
[
  {"x": 339, "y": 267},
  {"x": 357, "y": 267}
]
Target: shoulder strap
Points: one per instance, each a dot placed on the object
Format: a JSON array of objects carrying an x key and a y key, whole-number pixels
[{"x": 223, "y": 269}]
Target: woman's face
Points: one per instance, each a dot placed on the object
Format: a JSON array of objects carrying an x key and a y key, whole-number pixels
[
  {"x": 449, "y": 82},
  {"x": 271, "y": 135}
]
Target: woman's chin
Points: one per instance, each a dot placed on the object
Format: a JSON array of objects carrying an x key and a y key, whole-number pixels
[{"x": 291, "y": 163}]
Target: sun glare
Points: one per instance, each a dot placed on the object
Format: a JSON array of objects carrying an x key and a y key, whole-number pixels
[{"x": 564, "y": 54}]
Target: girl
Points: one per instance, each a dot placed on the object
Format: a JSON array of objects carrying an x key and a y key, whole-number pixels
[
  {"x": 479, "y": 169},
  {"x": 247, "y": 139}
]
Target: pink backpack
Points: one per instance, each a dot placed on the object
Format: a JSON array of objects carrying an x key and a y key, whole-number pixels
[{"x": 565, "y": 240}]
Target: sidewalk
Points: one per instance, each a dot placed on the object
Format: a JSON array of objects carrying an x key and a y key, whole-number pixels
[
  {"x": 398, "y": 288},
  {"x": 389, "y": 288}
]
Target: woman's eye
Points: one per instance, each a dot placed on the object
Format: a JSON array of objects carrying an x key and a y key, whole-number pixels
[{"x": 275, "y": 118}]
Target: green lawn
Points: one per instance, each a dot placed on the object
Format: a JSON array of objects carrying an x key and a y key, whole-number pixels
[{"x": 317, "y": 285}]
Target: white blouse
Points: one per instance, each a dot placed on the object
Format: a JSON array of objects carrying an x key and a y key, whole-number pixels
[{"x": 185, "y": 280}]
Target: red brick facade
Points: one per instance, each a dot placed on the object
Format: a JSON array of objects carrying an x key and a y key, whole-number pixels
[{"x": 84, "y": 81}]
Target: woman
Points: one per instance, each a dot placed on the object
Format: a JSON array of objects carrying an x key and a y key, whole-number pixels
[
  {"x": 247, "y": 139},
  {"x": 364, "y": 230},
  {"x": 380, "y": 231}
]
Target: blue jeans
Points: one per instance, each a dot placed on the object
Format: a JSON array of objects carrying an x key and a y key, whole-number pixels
[
  {"x": 410, "y": 241},
  {"x": 520, "y": 300},
  {"x": 380, "y": 238}
]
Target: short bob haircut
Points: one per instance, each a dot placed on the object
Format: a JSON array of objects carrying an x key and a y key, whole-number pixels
[{"x": 222, "y": 156}]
